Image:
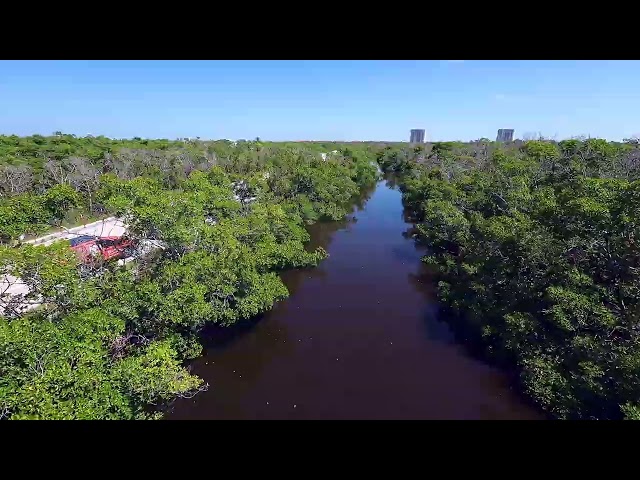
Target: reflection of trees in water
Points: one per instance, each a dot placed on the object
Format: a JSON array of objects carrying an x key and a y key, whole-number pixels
[
  {"x": 440, "y": 321},
  {"x": 215, "y": 336},
  {"x": 392, "y": 181},
  {"x": 409, "y": 233},
  {"x": 250, "y": 344},
  {"x": 361, "y": 200},
  {"x": 442, "y": 324},
  {"x": 434, "y": 317},
  {"x": 424, "y": 281},
  {"x": 245, "y": 347},
  {"x": 322, "y": 233},
  {"x": 293, "y": 279}
]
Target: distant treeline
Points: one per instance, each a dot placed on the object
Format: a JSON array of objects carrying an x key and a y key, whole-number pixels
[{"x": 45, "y": 180}]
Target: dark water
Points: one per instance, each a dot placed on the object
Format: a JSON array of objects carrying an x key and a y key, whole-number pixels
[{"x": 359, "y": 338}]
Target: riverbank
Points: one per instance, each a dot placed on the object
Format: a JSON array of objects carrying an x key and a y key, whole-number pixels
[
  {"x": 358, "y": 338},
  {"x": 228, "y": 231}
]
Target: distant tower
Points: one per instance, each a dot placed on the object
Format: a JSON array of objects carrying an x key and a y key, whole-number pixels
[
  {"x": 417, "y": 136},
  {"x": 505, "y": 135}
]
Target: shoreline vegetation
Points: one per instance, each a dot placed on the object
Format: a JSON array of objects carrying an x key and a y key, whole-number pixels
[
  {"x": 536, "y": 249},
  {"x": 111, "y": 341},
  {"x": 534, "y": 245}
]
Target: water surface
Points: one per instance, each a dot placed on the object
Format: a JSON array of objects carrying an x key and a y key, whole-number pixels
[{"x": 359, "y": 338}]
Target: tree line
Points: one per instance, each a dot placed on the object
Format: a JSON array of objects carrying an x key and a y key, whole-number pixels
[
  {"x": 109, "y": 341},
  {"x": 31, "y": 166},
  {"x": 536, "y": 249}
]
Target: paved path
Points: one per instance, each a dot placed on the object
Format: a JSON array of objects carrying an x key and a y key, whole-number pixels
[
  {"x": 111, "y": 226},
  {"x": 11, "y": 286}
]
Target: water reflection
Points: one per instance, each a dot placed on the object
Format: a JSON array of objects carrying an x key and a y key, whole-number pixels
[
  {"x": 359, "y": 337},
  {"x": 392, "y": 181}
]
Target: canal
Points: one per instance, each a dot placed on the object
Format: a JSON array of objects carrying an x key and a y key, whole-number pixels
[{"x": 359, "y": 338}]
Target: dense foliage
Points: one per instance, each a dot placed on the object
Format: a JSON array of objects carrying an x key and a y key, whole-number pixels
[
  {"x": 217, "y": 222},
  {"x": 535, "y": 246},
  {"x": 536, "y": 249}
]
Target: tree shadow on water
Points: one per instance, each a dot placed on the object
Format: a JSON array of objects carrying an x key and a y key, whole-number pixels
[
  {"x": 248, "y": 345},
  {"x": 360, "y": 202},
  {"x": 391, "y": 181},
  {"x": 441, "y": 321},
  {"x": 436, "y": 327},
  {"x": 216, "y": 336},
  {"x": 443, "y": 324},
  {"x": 322, "y": 233},
  {"x": 252, "y": 342}
]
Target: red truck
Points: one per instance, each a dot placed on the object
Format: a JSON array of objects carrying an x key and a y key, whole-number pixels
[{"x": 89, "y": 247}]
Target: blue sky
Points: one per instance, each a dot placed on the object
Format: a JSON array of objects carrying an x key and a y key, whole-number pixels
[{"x": 320, "y": 100}]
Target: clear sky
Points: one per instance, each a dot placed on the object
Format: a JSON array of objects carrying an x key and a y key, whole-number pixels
[{"x": 320, "y": 100}]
